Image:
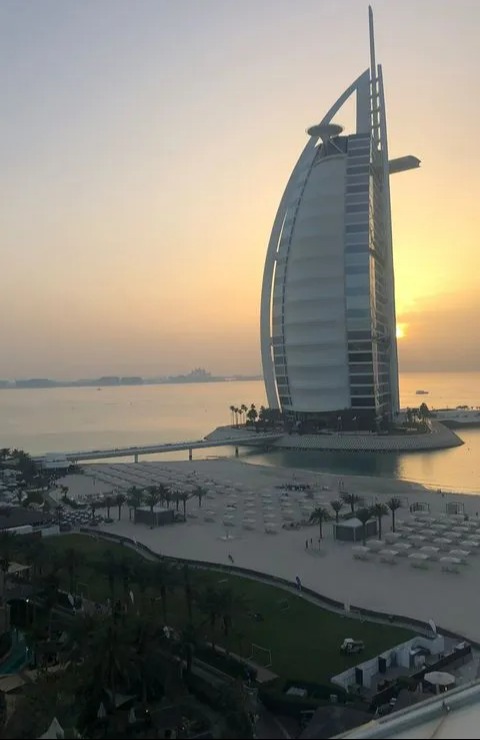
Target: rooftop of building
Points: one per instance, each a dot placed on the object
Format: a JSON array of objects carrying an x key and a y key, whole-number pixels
[
  {"x": 18, "y": 516},
  {"x": 453, "y": 714}
]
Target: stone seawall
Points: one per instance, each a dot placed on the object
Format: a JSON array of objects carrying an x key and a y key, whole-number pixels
[{"x": 440, "y": 437}]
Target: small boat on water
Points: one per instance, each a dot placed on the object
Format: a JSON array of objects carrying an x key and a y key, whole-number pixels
[{"x": 421, "y": 393}]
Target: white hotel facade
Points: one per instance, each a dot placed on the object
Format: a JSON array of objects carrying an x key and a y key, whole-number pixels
[{"x": 328, "y": 329}]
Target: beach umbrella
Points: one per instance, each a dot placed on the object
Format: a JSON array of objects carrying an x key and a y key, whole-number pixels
[
  {"x": 392, "y": 536},
  {"x": 388, "y": 556},
  {"x": 402, "y": 547},
  {"x": 418, "y": 557},
  {"x": 417, "y": 539},
  {"x": 376, "y": 545},
  {"x": 439, "y": 679}
]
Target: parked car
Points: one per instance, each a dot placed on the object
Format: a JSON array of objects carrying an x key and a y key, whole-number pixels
[{"x": 350, "y": 646}]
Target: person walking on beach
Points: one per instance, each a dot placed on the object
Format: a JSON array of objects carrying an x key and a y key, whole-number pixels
[
  {"x": 230, "y": 558},
  {"x": 306, "y": 544}
]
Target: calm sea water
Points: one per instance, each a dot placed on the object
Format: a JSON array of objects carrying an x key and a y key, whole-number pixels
[{"x": 63, "y": 419}]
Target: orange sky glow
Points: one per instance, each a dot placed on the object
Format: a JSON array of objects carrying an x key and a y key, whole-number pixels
[{"x": 147, "y": 146}]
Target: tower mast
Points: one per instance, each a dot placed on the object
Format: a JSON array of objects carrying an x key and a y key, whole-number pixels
[{"x": 373, "y": 79}]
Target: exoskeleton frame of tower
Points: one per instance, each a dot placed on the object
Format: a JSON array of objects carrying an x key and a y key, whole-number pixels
[{"x": 328, "y": 328}]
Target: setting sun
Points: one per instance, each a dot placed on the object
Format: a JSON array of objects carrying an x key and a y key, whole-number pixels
[{"x": 401, "y": 330}]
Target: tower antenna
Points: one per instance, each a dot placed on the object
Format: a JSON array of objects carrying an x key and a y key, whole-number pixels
[{"x": 373, "y": 79}]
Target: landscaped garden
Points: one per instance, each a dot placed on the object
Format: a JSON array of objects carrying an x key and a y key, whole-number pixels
[{"x": 304, "y": 639}]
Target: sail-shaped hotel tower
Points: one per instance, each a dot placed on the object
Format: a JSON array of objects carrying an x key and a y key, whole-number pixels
[{"x": 328, "y": 330}]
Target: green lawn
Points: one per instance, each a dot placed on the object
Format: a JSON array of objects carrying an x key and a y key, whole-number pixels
[{"x": 304, "y": 639}]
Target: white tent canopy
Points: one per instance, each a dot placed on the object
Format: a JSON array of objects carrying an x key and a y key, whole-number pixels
[{"x": 54, "y": 731}]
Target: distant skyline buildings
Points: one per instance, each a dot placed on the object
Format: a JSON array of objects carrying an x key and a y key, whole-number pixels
[{"x": 328, "y": 326}]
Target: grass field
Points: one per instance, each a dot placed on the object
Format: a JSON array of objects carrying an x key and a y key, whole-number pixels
[{"x": 303, "y": 638}]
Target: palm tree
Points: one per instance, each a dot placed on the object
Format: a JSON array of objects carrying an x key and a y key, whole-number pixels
[
  {"x": 211, "y": 603},
  {"x": 337, "y": 506},
  {"x": 232, "y": 411},
  {"x": 231, "y": 605},
  {"x": 72, "y": 562},
  {"x": 364, "y": 515},
  {"x": 153, "y": 497},
  {"x": 108, "y": 502},
  {"x": 393, "y": 504},
  {"x": 200, "y": 493},
  {"x": 94, "y": 505},
  {"x": 379, "y": 510},
  {"x": 135, "y": 499},
  {"x": 7, "y": 543},
  {"x": 243, "y": 411},
  {"x": 162, "y": 577},
  {"x": 120, "y": 500},
  {"x": 168, "y": 496},
  {"x": 320, "y": 515},
  {"x": 352, "y": 500},
  {"x": 110, "y": 568},
  {"x": 163, "y": 492},
  {"x": 175, "y": 498},
  {"x": 52, "y": 584},
  {"x": 125, "y": 573},
  {"x": 188, "y": 592},
  {"x": 252, "y": 414},
  {"x": 183, "y": 497}
]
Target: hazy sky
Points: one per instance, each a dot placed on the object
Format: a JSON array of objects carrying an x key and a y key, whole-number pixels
[{"x": 145, "y": 145}]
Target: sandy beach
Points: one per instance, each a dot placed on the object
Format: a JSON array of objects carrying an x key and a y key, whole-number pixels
[{"x": 244, "y": 500}]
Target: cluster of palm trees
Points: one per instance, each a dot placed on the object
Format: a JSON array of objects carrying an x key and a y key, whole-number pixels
[
  {"x": 127, "y": 645},
  {"x": 31, "y": 478},
  {"x": 238, "y": 414},
  {"x": 364, "y": 513},
  {"x": 249, "y": 416},
  {"x": 150, "y": 496},
  {"x": 157, "y": 494}
]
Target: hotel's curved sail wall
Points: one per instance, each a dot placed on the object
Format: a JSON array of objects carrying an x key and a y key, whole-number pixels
[{"x": 328, "y": 331}]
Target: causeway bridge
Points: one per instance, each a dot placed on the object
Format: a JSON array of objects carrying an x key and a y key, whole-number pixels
[{"x": 248, "y": 440}]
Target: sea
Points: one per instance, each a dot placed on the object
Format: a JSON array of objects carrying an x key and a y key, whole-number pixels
[{"x": 67, "y": 419}]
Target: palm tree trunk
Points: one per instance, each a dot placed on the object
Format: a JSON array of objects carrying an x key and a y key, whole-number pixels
[
  {"x": 163, "y": 596},
  {"x": 364, "y": 532},
  {"x": 379, "y": 527},
  {"x": 320, "y": 524},
  {"x": 393, "y": 521},
  {"x": 119, "y": 512},
  {"x": 212, "y": 627}
]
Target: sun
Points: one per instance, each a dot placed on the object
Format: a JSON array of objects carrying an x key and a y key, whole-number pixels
[{"x": 401, "y": 331}]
